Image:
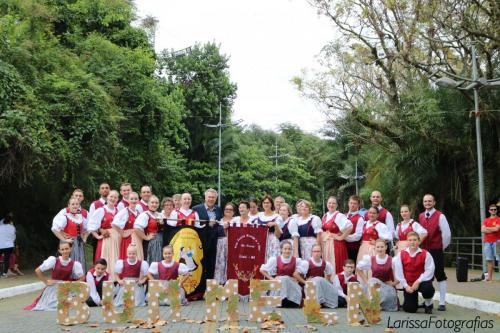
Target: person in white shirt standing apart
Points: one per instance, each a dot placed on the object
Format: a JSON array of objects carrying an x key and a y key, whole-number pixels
[
  {"x": 7, "y": 238},
  {"x": 438, "y": 239}
]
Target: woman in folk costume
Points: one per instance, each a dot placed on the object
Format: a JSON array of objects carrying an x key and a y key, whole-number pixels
[
  {"x": 381, "y": 268},
  {"x": 63, "y": 269},
  {"x": 108, "y": 238},
  {"x": 306, "y": 231},
  {"x": 149, "y": 228},
  {"x": 220, "y": 273},
  {"x": 169, "y": 269},
  {"x": 286, "y": 215},
  {"x": 282, "y": 268},
  {"x": 168, "y": 207},
  {"x": 273, "y": 223},
  {"x": 244, "y": 219},
  {"x": 372, "y": 230},
  {"x": 95, "y": 278},
  {"x": 124, "y": 223},
  {"x": 320, "y": 272},
  {"x": 131, "y": 269},
  {"x": 254, "y": 208},
  {"x": 336, "y": 227},
  {"x": 406, "y": 226},
  {"x": 71, "y": 226},
  {"x": 185, "y": 215}
]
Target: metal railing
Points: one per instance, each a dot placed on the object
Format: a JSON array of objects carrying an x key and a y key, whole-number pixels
[{"x": 466, "y": 247}]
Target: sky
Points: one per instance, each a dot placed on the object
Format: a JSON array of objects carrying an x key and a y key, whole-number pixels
[{"x": 268, "y": 43}]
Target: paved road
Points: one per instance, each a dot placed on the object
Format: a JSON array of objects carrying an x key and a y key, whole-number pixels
[{"x": 14, "y": 319}]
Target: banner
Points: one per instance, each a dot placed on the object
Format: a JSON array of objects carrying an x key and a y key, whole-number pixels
[
  {"x": 246, "y": 253},
  {"x": 195, "y": 247}
]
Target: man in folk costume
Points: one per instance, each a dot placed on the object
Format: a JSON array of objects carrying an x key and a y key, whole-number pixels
[
  {"x": 384, "y": 215},
  {"x": 103, "y": 193},
  {"x": 125, "y": 190},
  {"x": 95, "y": 278},
  {"x": 341, "y": 280},
  {"x": 320, "y": 273},
  {"x": 145, "y": 194},
  {"x": 438, "y": 239},
  {"x": 353, "y": 240}
]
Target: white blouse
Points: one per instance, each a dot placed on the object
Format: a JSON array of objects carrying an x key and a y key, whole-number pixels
[
  {"x": 268, "y": 218},
  {"x": 293, "y": 225},
  {"x": 93, "y": 290},
  {"x": 50, "y": 263},
  {"x": 122, "y": 217},
  {"x": 303, "y": 266},
  {"x": 356, "y": 235},
  {"x": 271, "y": 266},
  {"x": 96, "y": 219},
  {"x": 174, "y": 216},
  {"x": 415, "y": 226},
  {"x": 141, "y": 222},
  {"x": 340, "y": 220},
  {"x": 382, "y": 230},
  {"x": 366, "y": 262},
  {"x": 119, "y": 266},
  {"x": 182, "y": 270},
  {"x": 61, "y": 220},
  {"x": 92, "y": 208},
  {"x": 236, "y": 222}
]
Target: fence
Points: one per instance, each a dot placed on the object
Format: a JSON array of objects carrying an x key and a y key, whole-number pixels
[{"x": 467, "y": 247}]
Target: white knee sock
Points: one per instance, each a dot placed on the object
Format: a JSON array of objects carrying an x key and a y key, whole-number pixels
[
  {"x": 428, "y": 302},
  {"x": 442, "y": 292}
]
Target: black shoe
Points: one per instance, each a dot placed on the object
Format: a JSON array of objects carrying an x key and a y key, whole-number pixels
[
  {"x": 422, "y": 306},
  {"x": 428, "y": 309},
  {"x": 442, "y": 307}
]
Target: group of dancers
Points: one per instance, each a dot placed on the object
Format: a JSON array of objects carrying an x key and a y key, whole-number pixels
[{"x": 359, "y": 246}]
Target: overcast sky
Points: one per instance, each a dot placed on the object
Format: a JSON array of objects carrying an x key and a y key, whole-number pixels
[{"x": 268, "y": 42}]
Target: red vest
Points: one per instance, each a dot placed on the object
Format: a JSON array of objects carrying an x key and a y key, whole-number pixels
[
  {"x": 98, "y": 283},
  {"x": 315, "y": 270},
  {"x": 98, "y": 204},
  {"x": 72, "y": 229},
  {"x": 285, "y": 269},
  {"x": 413, "y": 267},
  {"x": 152, "y": 227},
  {"x": 143, "y": 205},
  {"x": 168, "y": 273},
  {"x": 130, "y": 221},
  {"x": 343, "y": 282},
  {"x": 84, "y": 212},
  {"x": 433, "y": 241},
  {"x": 370, "y": 233},
  {"x": 382, "y": 215},
  {"x": 125, "y": 203},
  {"x": 354, "y": 220},
  {"x": 402, "y": 234},
  {"x": 107, "y": 219},
  {"x": 188, "y": 219},
  {"x": 382, "y": 272},
  {"x": 61, "y": 272},
  {"x": 131, "y": 271}
]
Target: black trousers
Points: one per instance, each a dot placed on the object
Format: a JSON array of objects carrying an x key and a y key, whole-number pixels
[
  {"x": 352, "y": 254},
  {"x": 438, "y": 257},
  {"x": 342, "y": 302},
  {"x": 6, "y": 258},
  {"x": 410, "y": 303}
]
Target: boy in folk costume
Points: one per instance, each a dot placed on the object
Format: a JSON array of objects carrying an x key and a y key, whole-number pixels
[
  {"x": 342, "y": 279},
  {"x": 95, "y": 278},
  {"x": 125, "y": 190},
  {"x": 414, "y": 268},
  {"x": 438, "y": 239},
  {"x": 320, "y": 272},
  {"x": 145, "y": 194},
  {"x": 131, "y": 269},
  {"x": 353, "y": 240},
  {"x": 103, "y": 193}
]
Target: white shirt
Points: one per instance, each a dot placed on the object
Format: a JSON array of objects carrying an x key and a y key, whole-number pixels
[
  {"x": 96, "y": 219},
  {"x": 356, "y": 236},
  {"x": 7, "y": 236},
  {"x": 338, "y": 286},
  {"x": 389, "y": 221},
  {"x": 93, "y": 290},
  {"x": 121, "y": 218},
  {"x": 382, "y": 230},
  {"x": 142, "y": 220},
  {"x": 366, "y": 262},
  {"x": 121, "y": 205},
  {"x": 236, "y": 222},
  {"x": 174, "y": 216},
  {"x": 427, "y": 275},
  {"x": 415, "y": 226},
  {"x": 92, "y": 208},
  {"x": 303, "y": 266},
  {"x": 61, "y": 220},
  {"x": 293, "y": 226},
  {"x": 271, "y": 266},
  {"x": 443, "y": 226},
  {"x": 139, "y": 206},
  {"x": 340, "y": 220},
  {"x": 153, "y": 269},
  {"x": 119, "y": 266},
  {"x": 50, "y": 263}
]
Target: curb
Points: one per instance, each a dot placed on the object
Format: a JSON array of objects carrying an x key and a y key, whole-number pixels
[
  {"x": 19, "y": 290},
  {"x": 471, "y": 303}
]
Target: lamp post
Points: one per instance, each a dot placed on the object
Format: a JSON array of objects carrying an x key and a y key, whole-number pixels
[
  {"x": 276, "y": 157},
  {"x": 356, "y": 177},
  {"x": 473, "y": 84},
  {"x": 220, "y": 125}
]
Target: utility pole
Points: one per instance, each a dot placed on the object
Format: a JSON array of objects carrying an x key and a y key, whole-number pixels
[{"x": 276, "y": 157}]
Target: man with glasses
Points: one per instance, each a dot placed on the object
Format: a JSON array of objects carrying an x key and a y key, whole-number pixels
[{"x": 490, "y": 229}]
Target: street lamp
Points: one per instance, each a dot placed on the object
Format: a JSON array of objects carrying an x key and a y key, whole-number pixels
[
  {"x": 474, "y": 84},
  {"x": 220, "y": 125}
]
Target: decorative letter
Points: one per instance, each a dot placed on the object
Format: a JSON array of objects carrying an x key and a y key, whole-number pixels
[
  {"x": 72, "y": 295},
  {"x": 257, "y": 301},
  {"x": 312, "y": 307},
  {"x": 215, "y": 293},
  {"x": 108, "y": 309},
  {"x": 160, "y": 290},
  {"x": 359, "y": 304}
]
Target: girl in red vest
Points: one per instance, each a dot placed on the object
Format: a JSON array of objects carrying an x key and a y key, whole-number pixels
[
  {"x": 131, "y": 269},
  {"x": 95, "y": 278},
  {"x": 149, "y": 230},
  {"x": 372, "y": 230},
  {"x": 70, "y": 225},
  {"x": 320, "y": 272},
  {"x": 414, "y": 268},
  {"x": 124, "y": 223},
  {"x": 381, "y": 269},
  {"x": 341, "y": 280},
  {"x": 184, "y": 215},
  {"x": 108, "y": 239},
  {"x": 336, "y": 228},
  {"x": 406, "y": 226},
  {"x": 168, "y": 269},
  {"x": 63, "y": 269},
  {"x": 282, "y": 268}
]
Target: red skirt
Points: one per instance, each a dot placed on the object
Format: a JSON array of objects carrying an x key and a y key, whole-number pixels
[
  {"x": 123, "y": 247},
  {"x": 340, "y": 255},
  {"x": 98, "y": 251}
]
